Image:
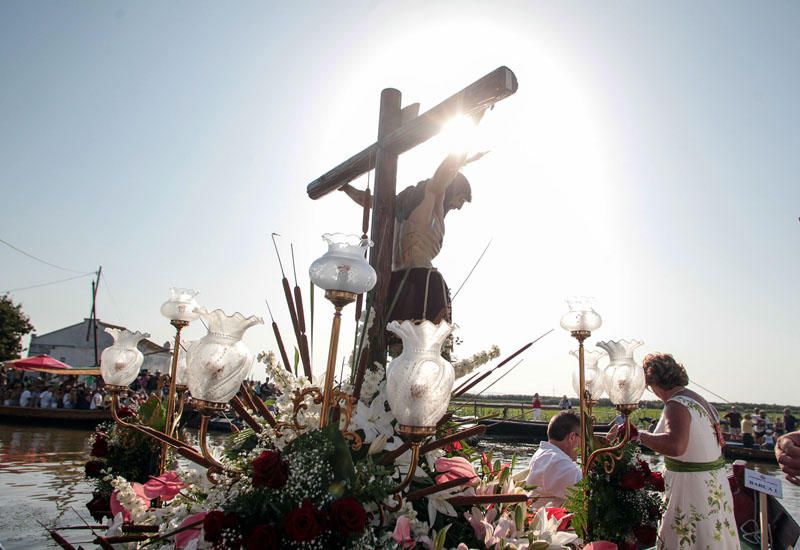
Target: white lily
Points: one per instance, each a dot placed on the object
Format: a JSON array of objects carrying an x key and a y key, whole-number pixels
[
  {"x": 437, "y": 502},
  {"x": 373, "y": 419},
  {"x": 546, "y": 529},
  {"x": 115, "y": 526}
]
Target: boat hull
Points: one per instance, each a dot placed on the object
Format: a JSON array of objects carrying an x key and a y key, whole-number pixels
[
  {"x": 64, "y": 418},
  {"x": 528, "y": 430}
]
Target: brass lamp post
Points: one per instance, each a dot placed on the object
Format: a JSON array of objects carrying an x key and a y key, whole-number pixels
[
  {"x": 180, "y": 309},
  {"x": 580, "y": 321},
  {"x": 344, "y": 273}
]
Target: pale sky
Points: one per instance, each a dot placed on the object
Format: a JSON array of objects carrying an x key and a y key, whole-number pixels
[{"x": 649, "y": 159}]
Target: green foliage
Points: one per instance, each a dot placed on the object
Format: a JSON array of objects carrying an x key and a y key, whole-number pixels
[
  {"x": 14, "y": 324},
  {"x": 130, "y": 454},
  {"x": 611, "y": 511},
  {"x": 153, "y": 413}
]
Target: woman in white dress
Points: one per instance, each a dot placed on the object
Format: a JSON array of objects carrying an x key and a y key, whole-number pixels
[{"x": 699, "y": 512}]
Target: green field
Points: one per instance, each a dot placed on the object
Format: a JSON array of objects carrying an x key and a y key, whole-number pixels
[{"x": 518, "y": 408}]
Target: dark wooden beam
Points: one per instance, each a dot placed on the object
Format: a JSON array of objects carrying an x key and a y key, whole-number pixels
[
  {"x": 479, "y": 95},
  {"x": 383, "y": 221}
]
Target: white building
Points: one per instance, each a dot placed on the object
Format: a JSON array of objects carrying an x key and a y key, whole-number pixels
[{"x": 74, "y": 345}]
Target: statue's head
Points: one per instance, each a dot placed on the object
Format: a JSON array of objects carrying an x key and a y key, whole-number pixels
[{"x": 457, "y": 193}]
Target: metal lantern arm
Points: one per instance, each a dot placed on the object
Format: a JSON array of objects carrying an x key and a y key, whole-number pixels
[
  {"x": 215, "y": 464},
  {"x": 615, "y": 450},
  {"x": 412, "y": 468},
  {"x": 180, "y": 447}
]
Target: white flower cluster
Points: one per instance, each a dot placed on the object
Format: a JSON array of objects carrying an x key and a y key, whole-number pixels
[
  {"x": 363, "y": 327},
  {"x": 130, "y": 500},
  {"x": 286, "y": 385},
  {"x": 372, "y": 382},
  {"x": 465, "y": 366}
]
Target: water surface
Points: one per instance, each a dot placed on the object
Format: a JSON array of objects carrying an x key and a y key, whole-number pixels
[{"x": 42, "y": 482}]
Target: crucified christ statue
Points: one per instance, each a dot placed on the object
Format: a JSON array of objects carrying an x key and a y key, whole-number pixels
[{"x": 417, "y": 290}]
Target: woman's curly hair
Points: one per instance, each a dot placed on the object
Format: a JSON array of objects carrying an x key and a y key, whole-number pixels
[{"x": 661, "y": 369}]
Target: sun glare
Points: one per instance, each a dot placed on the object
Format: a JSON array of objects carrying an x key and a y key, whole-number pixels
[{"x": 459, "y": 134}]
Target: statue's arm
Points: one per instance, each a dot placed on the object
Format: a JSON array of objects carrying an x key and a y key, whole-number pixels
[
  {"x": 359, "y": 197},
  {"x": 446, "y": 172},
  {"x": 449, "y": 168}
]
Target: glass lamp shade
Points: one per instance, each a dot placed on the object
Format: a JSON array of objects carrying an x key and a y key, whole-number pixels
[
  {"x": 121, "y": 361},
  {"x": 419, "y": 380},
  {"x": 581, "y": 316},
  {"x": 182, "y": 370},
  {"x": 344, "y": 266},
  {"x": 624, "y": 379},
  {"x": 593, "y": 375},
  {"x": 219, "y": 361},
  {"x": 181, "y": 305}
]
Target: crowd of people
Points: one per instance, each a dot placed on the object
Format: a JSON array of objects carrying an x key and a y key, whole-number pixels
[
  {"x": 47, "y": 391},
  {"x": 756, "y": 429}
]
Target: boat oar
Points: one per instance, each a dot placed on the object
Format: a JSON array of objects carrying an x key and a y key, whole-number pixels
[
  {"x": 515, "y": 365},
  {"x": 467, "y": 387},
  {"x": 471, "y": 270}
]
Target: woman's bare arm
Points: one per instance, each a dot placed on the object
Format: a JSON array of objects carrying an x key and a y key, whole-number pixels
[{"x": 674, "y": 440}]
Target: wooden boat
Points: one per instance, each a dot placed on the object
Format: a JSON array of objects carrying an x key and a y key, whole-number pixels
[
  {"x": 64, "y": 418},
  {"x": 734, "y": 450},
  {"x": 524, "y": 429}
]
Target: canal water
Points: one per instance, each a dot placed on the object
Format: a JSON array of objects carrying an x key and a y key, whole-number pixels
[{"x": 42, "y": 483}]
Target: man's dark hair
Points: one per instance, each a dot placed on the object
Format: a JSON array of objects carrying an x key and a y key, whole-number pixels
[{"x": 563, "y": 424}]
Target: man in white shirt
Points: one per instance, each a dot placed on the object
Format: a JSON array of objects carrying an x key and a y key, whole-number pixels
[
  {"x": 553, "y": 469},
  {"x": 97, "y": 400},
  {"x": 25, "y": 397},
  {"x": 46, "y": 398}
]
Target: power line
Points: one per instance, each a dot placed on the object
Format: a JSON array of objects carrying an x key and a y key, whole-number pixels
[
  {"x": 46, "y": 284},
  {"x": 8, "y": 244}
]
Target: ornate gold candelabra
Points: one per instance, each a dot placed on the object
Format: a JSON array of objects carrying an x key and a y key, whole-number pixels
[
  {"x": 172, "y": 416},
  {"x": 339, "y": 299}
]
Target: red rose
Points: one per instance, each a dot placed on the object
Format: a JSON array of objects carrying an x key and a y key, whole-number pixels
[
  {"x": 216, "y": 522},
  {"x": 646, "y": 535},
  {"x": 125, "y": 412},
  {"x": 269, "y": 470},
  {"x": 656, "y": 481},
  {"x": 100, "y": 446},
  {"x": 263, "y": 537},
  {"x": 348, "y": 516},
  {"x": 644, "y": 467},
  {"x": 301, "y": 524},
  {"x": 93, "y": 468},
  {"x": 632, "y": 479}
]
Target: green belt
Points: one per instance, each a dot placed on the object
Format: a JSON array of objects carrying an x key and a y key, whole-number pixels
[{"x": 679, "y": 466}]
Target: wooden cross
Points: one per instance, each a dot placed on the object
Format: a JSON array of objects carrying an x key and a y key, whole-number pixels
[{"x": 400, "y": 130}]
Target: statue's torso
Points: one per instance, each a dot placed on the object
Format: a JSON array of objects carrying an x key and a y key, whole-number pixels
[{"x": 418, "y": 239}]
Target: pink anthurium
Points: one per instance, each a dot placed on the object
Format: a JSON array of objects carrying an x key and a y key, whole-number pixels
[
  {"x": 185, "y": 537},
  {"x": 402, "y": 532},
  {"x": 454, "y": 468},
  {"x": 165, "y": 486},
  {"x": 118, "y": 508}
]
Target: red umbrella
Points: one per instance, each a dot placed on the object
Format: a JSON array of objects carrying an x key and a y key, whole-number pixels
[{"x": 36, "y": 363}]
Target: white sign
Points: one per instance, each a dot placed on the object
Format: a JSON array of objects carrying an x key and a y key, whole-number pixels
[{"x": 763, "y": 483}]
